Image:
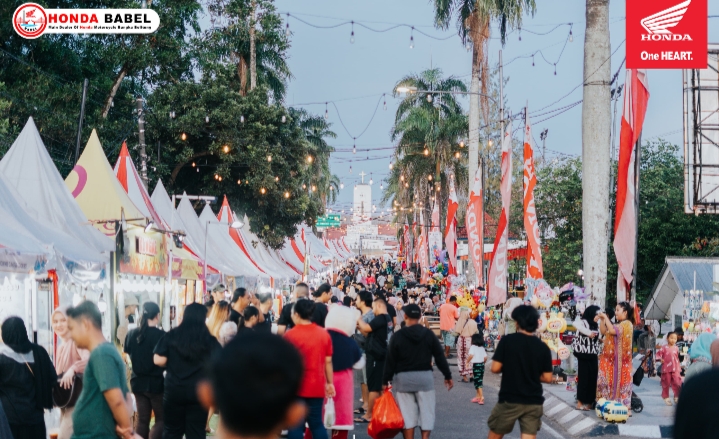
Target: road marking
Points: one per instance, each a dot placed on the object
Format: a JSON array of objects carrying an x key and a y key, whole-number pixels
[
  {"x": 557, "y": 408},
  {"x": 551, "y": 431},
  {"x": 650, "y": 431},
  {"x": 586, "y": 423},
  {"x": 569, "y": 416}
]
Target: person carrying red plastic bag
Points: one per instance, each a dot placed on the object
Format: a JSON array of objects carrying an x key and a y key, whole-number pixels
[{"x": 387, "y": 418}]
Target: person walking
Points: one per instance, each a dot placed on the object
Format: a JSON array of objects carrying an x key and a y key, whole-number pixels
[
  {"x": 364, "y": 304},
  {"x": 315, "y": 347},
  {"x": 27, "y": 378},
  {"x": 614, "y": 381},
  {"x": 477, "y": 358},
  {"x": 147, "y": 381},
  {"x": 285, "y": 322},
  {"x": 409, "y": 369},
  {"x": 346, "y": 356},
  {"x": 671, "y": 378},
  {"x": 448, "y": 315},
  {"x": 586, "y": 352},
  {"x": 377, "y": 333},
  {"x": 525, "y": 362},
  {"x": 321, "y": 296},
  {"x": 466, "y": 328},
  {"x": 183, "y": 352},
  {"x": 219, "y": 314},
  {"x": 70, "y": 363},
  {"x": 102, "y": 410}
]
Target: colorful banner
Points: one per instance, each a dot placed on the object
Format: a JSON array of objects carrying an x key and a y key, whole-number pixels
[
  {"x": 534, "y": 253},
  {"x": 475, "y": 226},
  {"x": 497, "y": 282},
  {"x": 146, "y": 253},
  {"x": 435, "y": 236},
  {"x": 636, "y": 96},
  {"x": 450, "y": 232}
]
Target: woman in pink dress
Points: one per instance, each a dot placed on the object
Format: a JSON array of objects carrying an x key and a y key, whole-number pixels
[
  {"x": 346, "y": 356},
  {"x": 70, "y": 362}
]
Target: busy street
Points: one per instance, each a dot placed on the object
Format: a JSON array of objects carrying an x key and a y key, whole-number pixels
[{"x": 319, "y": 219}]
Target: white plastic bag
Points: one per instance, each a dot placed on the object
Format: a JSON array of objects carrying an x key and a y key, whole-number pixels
[{"x": 330, "y": 415}]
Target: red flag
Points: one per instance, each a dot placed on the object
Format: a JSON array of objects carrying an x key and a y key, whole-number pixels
[
  {"x": 475, "y": 226},
  {"x": 423, "y": 249},
  {"x": 497, "y": 282},
  {"x": 534, "y": 252},
  {"x": 405, "y": 241},
  {"x": 636, "y": 96},
  {"x": 450, "y": 232}
]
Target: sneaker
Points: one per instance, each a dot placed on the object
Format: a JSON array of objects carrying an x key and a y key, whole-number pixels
[{"x": 667, "y": 401}]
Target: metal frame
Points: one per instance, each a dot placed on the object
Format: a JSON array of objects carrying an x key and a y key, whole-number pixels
[{"x": 701, "y": 137}]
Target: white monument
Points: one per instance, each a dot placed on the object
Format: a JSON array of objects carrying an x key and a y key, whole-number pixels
[{"x": 362, "y": 205}]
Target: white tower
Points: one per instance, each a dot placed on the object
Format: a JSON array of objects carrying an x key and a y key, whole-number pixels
[{"x": 362, "y": 206}]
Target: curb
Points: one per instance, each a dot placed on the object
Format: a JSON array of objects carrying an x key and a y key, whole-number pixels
[{"x": 577, "y": 424}]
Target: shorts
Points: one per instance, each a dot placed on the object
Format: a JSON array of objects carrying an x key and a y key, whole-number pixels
[
  {"x": 375, "y": 370},
  {"x": 448, "y": 338},
  {"x": 361, "y": 374},
  {"x": 478, "y": 372},
  {"x": 505, "y": 414},
  {"x": 417, "y": 409}
]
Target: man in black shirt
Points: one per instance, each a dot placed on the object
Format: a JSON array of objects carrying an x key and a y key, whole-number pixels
[
  {"x": 285, "y": 323},
  {"x": 264, "y": 304},
  {"x": 377, "y": 333},
  {"x": 240, "y": 300},
  {"x": 525, "y": 363},
  {"x": 322, "y": 297}
]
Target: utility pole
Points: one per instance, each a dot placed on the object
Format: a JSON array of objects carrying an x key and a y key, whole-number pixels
[
  {"x": 501, "y": 98},
  {"x": 253, "y": 51},
  {"x": 596, "y": 143},
  {"x": 141, "y": 136},
  {"x": 79, "y": 123}
]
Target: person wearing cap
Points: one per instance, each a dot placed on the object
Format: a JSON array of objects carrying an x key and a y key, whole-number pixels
[
  {"x": 131, "y": 305},
  {"x": 409, "y": 368}
]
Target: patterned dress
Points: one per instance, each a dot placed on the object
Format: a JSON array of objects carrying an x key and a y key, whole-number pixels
[{"x": 615, "y": 365}]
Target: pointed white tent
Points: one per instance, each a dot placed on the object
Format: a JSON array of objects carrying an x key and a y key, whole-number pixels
[
  {"x": 219, "y": 233},
  {"x": 29, "y": 169},
  {"x": 129, "y": 179}
]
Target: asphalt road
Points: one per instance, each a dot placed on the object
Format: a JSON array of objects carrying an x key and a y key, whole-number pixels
[{"x": 458, "y": 418}]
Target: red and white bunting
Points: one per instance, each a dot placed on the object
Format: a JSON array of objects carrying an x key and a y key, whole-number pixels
[
  {"x": 450, "y": 232},
  {"x": 534, "y": 251},
  {"x": 475, "y": 226}
]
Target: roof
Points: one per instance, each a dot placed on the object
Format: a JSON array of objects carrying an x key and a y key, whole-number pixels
[
  {"x": 130, "y": 180},
  {"x": 678, "y": 275},
  {"x": 97, "y": 190},
  {"x": 30, "y": 171}
]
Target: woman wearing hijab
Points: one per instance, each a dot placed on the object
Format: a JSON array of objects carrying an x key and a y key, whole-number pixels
[
  {"x": 587, "y": 361},
  {"x": 27, "y": 378},
  {"x": 70, "y": 362},
  {"x": 466, "y": 328},
  {"x": 700, "y": 355}
]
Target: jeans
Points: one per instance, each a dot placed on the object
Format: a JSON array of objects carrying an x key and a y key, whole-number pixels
[
  {"x": 314, "y": 419},
  {"x": 146, "y": 404},
  {"x": 183, "y": 413}
]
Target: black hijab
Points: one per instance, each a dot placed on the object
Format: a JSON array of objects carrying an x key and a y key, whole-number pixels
[
  {"x": 14, "y": 335},
  {"x": 589, "y": 314}
]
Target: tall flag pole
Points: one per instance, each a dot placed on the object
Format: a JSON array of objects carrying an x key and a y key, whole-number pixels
[
  {"x": 497, "y": 282},
  {"x": 423, "y": 248},
  {"x": 450, "y": 231},
  {"x": 636, "y": 97},
  {"x": 475, "y": 226},
  {"x": 534, "y": 251}
]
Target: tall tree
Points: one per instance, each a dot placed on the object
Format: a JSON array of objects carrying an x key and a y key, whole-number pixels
[
  {"x": 473, "y": 18},
  {"x": 596, "y": 126}
]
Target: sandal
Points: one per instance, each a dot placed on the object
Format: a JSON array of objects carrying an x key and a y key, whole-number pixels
[
  {"x": 481, "y": 401},
  {"x": 359, "y": 411},
  {"x": 475, "y": 399},
  {"x": 667, "y": 401},
  {"x": 362, "y": 420}
]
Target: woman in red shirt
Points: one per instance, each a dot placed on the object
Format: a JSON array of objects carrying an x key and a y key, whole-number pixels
[{"x": 315, "y": 347}]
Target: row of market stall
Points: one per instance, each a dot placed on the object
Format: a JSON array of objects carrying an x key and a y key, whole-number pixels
[{"x": 99, "y": 235}]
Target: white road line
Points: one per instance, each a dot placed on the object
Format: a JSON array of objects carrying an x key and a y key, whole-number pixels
[
  {"x": 557, "y": 408},
  {"x": 569, "y": 416},
  {"x": 551, "y": 431},
  {"x": 586, "y": 423}
]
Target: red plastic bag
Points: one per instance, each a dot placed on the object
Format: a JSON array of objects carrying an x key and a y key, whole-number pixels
[{"x": 387, "y": 419}]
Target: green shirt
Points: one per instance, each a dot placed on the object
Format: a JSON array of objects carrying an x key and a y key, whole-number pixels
[{"x": 92, "y": 418}]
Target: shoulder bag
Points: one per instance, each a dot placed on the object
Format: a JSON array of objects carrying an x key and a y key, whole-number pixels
[{"x": 66, "y": 398}]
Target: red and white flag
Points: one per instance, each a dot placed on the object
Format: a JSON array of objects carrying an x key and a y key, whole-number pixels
[
  {"x": 534, "y": 251},
  {"x": 636, "y": 96},
  {"x": 450, "y": 231},
  {"x": 406, "y": 242},
  {"x": 475, "y": 226},
  {"x": 497, "y": 281}
]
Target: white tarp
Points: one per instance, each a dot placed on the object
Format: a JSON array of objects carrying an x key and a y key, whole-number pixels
[
  {"x": 218, "y": 233},
  {"x": 273, "y": 264},
  {"x": 29, "y": 169}
]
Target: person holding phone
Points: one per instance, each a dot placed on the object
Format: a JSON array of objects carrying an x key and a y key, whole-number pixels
[{"x": 615, "y": 363}]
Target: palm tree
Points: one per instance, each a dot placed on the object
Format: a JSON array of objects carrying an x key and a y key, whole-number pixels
[{"x": 429, "y": 126}]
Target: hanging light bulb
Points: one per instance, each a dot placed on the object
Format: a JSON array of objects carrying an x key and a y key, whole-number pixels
[
  {"x": 401, "y": 177},
  {"x": 384, "y": 106},
  {"x": 287, "y": 29},
  {"x": 198, "y": 169},
  {"x": 263, "y": 190},
  {"x": 313, "y": 188},
  {"x": 287, "y": 195},
  {"x": 555, "y": 69},
  {"x": 220, "y": 179},
  {"x": 456, "y": 155},
  {"x": 406, "y": 184},
  {"x": 327, "y": 113},
  {"x": 426, "y": 151},
  {"x": 490, "y": 142},
  {"x": 571, "y": 37},
  {"x": 247, "y": 181},
  {"x": 269, "y": 158},
  {"x": 242, "y": 119},
  {"x": 381, "y": 186},
  {"x": 226, "y": 149},
  {"x": 207, "y": 119},
  {"x": 172, "y": 114},
  {"x": 520, "y": 33},
  {"x": 216, "y": 176},
  {"x": 194, "y": 164},
  {"x": 277, "y": 178},
  {"x": 371, "y": 182},
  {"x": 350, "y": 169},
  {"x": 429, "y": 177},
  {"x": 411, "y": 42},
  {"x": 309, "y": 159},
  {"x": 532, "y": 60},
  {"x": 352, "y": 35},
  {"x": 239, "y": 181},
  {"x": 429, "y": 98},
  {"x": 354, "y": 146},
  {"x": 342, "y": 185},
  {"x": 468, "y": 46},
  {"x": 183, "y": 136},
  {"x": 390, "y": 165},
  {"x": 284, "y": 118}
]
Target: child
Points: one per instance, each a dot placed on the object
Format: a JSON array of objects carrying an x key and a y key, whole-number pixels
[
  {"x": 254, "y": 382},
  {"x": 477, "y": 357},
  {"x": 671, "y": 368}
]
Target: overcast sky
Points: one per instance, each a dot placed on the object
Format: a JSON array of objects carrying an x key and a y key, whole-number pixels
[{"x": 353, "y": 77}]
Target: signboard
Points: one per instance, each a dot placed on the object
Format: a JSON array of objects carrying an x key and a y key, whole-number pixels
[
  {"x": 12, "y": 297},
  {"x": 145, "y": 253},
  {"x": 330, "y": 220},
  {"x": 187, "y": 269}
]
